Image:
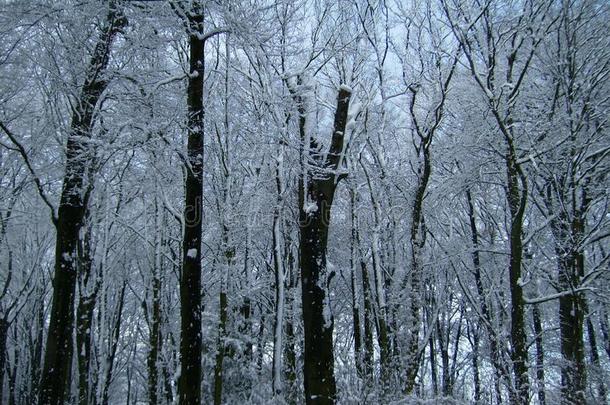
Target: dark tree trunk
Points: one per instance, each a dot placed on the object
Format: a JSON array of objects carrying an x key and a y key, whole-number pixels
[
  {"x": 222, "y": 349},
  {"x": 36, "y": 358},
  {"x": 12, "y": 373},
  {"x": 189, "y": 385},
  {"x": 496, "y": 356},
  {"x": 84, "y": 318},
  {"x": 473, "y": 333},
  {"x": 433, "y": 366},
  {"x": 537, "y": 318},
  {"x": 417, "y": 240},
  {"x": 314, "y": 217},
  {"x": 381, "y": 286},
  {"x": 570, "y": 263},
  {"x": 154, "y": 342},
  {"x": 114, "y": 343},
  {"x": 517, "y": 197},
  {"x": 3, "y": 337},
  {"x": 55, "y": 380},
  {"x": 220, "y": 345},
  {"x": 367, "y": 339},
  {"x": 358, "y": 355},
  {"x": 368, "y": 352},
  {"x": 603, "y": 325},
  {"x": 290, "y": 356},
  {"x": 381, "y": 325},
  {"x": 601, "y": 387},
  {"x": 571, "y": 317},
  {"x": 573, "y": 371}
]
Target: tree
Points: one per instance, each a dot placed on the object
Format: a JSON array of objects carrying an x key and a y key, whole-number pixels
[
  {"x": 54, "y": 386},
  {"x": 319, "y": 183}
]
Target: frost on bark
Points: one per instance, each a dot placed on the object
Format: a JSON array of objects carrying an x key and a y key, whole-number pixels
[
  {"x": 56, "y": 374},
  {"x": 314, "y": 216},
  {"x": 189, "y": 385}
]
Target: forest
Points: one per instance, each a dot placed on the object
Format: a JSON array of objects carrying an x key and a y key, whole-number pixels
[{"x": 304, "y": 202}]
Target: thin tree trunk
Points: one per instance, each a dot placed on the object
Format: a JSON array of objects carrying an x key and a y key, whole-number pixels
[
  {"x": 220, "y": 344},
  {"x": 517, "y": 197},
  {"x": 417, "y": 240},
  {"x": 496, "y": 357},
  {"x": 443, "y": 348},
  {"x": 290, "y": 357},
  {"x": 601, "y": 387},
  {"x": 379, "y": 283},
  {"x": 36, "y": 358},
  {"x": 433, "y": 366},
  {"x": 474, "y": 338},
  {"x": 368, "y": 352},
  {"x": 358, "y": 355},
  {"x": 114, "y": 343},
  {"x": 537, "y": 319},
  {"x": 368, "y": 322},
  {"x": 12, "y": 373},
  {"x": 84, "y": 318},
  {"x": 3, "y": 338},
  {"x": 154, "y": 341},
  {"x": 279, "y": 287}
]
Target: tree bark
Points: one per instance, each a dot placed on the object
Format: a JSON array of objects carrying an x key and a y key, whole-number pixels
[
  {"x": 517, "y": 197},
  {"x": 290, "y": 356},
  {"x": 601, "y": 387},
  {"x": 358, "y": 355},
  {"x": 3, "y": 337},
  {"x": 314, "y": 217},
  {"x": 537, "y": 319},
  {"x": 84, "y": 315},
  {"x": 189, "y": 385},
  {"x": 114, "y": 343},
  {"x": 278, "y": 265},
  {"x": 55, "y": 380},
  {"x": 154, "y": 342},
  {"x": 417, "y": 240},
  {"x": 496, "y": 356}
]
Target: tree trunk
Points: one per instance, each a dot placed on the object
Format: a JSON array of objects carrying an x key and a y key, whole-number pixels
[
  {"x": 367, "y": 337},
  {"x": 12, "y": 374},
  {"x": 603, "y": 325},
  {"x": 570, "y": 263},
  {"x": 380, "y": 283},
  {"x": 314, "y": 217},
  {"x": 517, "y": 197},
  {"x": 433, "y": 366},
  {"x": 3, "y": 337},
  {"x": 154, "y": 342},
  {"x": 84, "y": 318},
  {"x": 189, "y": 385},
  {"x": 601, "y": 388},
  {"x": 496, "y": 356},
  {"x": 114, "y": 342},
  {"x": 55, "y": 380},
  {"x": 417, "y": 240},
  {"x": 278, "y": 264},
  {"x": 368, "y": 350},
  {"x": 474, "y": 339},
  {"x": 290, "y": 356},
  {"x": 220, "y": 346},
  {"x": 537, "y": 318},
  {"x": 36, "y": 358},
  {"x": 358, "y": 355}
]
